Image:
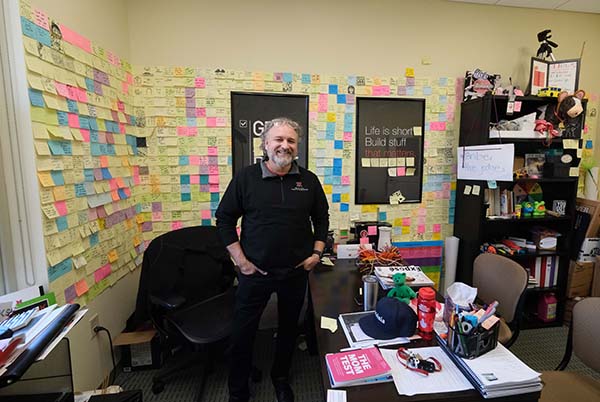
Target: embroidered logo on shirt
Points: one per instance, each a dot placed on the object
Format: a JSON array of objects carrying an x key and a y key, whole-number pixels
[{"x": 299, "y": 187}]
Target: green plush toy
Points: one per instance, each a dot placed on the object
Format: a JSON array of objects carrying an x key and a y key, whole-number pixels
[{"x": 401, "y": 290}]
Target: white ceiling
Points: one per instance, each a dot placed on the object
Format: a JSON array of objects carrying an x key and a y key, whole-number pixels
[{"x": 582, "y": 6}]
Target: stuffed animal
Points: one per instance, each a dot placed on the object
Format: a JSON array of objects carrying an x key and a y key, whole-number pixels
[
  {"x": 526, "y": 209},
  {"x": 539, "y": 209},
  {"x": 566, "y": 113},
  {"x": 401, "y": 291}
]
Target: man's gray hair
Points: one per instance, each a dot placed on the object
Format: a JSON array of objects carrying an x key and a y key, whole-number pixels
[{"x": 279, "y": 121}]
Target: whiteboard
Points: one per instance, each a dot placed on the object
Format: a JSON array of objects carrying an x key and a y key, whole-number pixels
[{"x": 486, "y": 162}]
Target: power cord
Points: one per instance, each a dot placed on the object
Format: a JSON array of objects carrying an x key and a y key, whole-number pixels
[{"x": 113, "y": 373}]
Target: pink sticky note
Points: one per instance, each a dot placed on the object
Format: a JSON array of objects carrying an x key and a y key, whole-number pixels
[
  {"x": 41, "y": 18},
  {"x": 345, "y": 180},
  {"x": 75, "y": 39},
  {"x": 312, "y": 116},
  {"x": 200, "y": 82},
  {"x": 381, "y": 90},
  {"x": 401, "y": 171},
  {"x": 214, "y": 188},
  {"x": 205, "y": 214},
  {"x": 71, "y": 93},
  {"x": 112, "y": 183},
  {"x": 405, "y": 221},
  {"x": 176, "y": 225},
  {"x": 192, "y": 131},
  {"x": 347, "y": 136},
  {"x": 371, "y": 230},
  {"x": 129, "y": 78},
  {"x": 518, "y": 106},
  {"x": 182, "y": 130},
  {"x": 213, "y": 170},
  {"x": 213, "y": 179},
  {"x": 81, "y": 95},
  {"x": 125, "y": 87},
  {"x": 421, "y": 229},
  {"x": 73, "y": 120},
  {"x": 195, "y": 179},
  {"x": 61, "y": 207},
  {"x": 200, "y": 112},
  {"x": 211, "y": 122},
  {"x": 364, "y": 240},
  {"x": 85, "y": 134},
  {"x": 437, "y": 228},
  {"x": 194, "y": 160},
  {"x": 213, "y": 151},
  {"x": 61, "y": 89}
]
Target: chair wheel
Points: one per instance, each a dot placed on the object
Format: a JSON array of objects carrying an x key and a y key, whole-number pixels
[
  {"x": 158, "y": 387},
  {"x": 256, "y": 375}
]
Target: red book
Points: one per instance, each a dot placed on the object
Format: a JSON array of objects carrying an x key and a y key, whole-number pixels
[
  {"x": 356, "y": 367},
  {"x": 8, "y": 346}
]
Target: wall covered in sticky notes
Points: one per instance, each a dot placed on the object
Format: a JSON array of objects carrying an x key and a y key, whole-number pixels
[{"x": 126, "y": 153}]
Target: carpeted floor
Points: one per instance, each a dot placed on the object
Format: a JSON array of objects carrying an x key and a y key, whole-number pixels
[{"x": 541, "y": 349}]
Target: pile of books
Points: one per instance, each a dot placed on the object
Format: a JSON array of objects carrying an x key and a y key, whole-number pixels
[
  {"x": 497, "y": 373},
  {"x": 414, "y": 276},
  {"x": 357, "y": 367}
]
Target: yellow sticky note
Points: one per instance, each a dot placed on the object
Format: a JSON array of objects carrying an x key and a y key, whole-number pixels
[
  {"x": 45, "y": 179},
  {"x": 369, "y": 208},
  {"x": 410, "y": 72},
  {"x": 574, "y": 172},
  {"x": 113, "y": 256},
  {"x": 329, "y": 323},
  {"x": 345, "y": 197},
  {"x": 417, "y": 131}
]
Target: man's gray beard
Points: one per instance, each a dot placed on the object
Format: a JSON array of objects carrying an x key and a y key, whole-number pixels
[{"x": 281, "y": 161}]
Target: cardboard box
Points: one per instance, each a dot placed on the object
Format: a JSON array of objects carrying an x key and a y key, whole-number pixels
[
  {"x": 590, "y": 248},
  {"x": 569, "y": 304},
  {"x": 595, "y": 292},
  {"x": 591, "y": 208},
  {"x": 140, "y": 350},
  {"x": 580, "y": 278}
]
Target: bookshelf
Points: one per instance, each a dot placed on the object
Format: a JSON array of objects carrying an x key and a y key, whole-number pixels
[{"x": 478, "y": 218}]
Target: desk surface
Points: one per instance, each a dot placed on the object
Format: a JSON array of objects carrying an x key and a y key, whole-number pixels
[{"x": 332, "y": 291}]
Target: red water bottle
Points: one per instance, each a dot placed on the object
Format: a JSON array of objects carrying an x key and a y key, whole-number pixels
[{"x": 426, "y": 312}]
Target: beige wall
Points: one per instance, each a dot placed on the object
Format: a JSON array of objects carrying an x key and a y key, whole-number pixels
[{"x": 103, "y": 22}]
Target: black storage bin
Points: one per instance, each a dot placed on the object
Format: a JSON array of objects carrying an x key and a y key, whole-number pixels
[{"x": 473, "y": 345}]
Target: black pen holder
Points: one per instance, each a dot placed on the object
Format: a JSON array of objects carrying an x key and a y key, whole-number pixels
[{"x": 474, "y": 344}]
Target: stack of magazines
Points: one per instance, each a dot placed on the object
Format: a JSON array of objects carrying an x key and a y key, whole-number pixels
[
  {"x": 497, "y": 373},
  {"x": 414, "y": 276}
]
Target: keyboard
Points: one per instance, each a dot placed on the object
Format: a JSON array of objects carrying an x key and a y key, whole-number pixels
[{"x": 19, "y": 320}]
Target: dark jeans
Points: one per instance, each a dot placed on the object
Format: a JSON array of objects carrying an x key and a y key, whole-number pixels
[{"x": 252, "y": 296}]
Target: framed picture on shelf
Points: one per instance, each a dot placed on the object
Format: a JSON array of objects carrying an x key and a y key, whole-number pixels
[
  {"x": 562, "y": 74},
  {"x": 534, "y": 163}
]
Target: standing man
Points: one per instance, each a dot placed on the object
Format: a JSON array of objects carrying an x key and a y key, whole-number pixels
[{"x": 284, "y": 227}]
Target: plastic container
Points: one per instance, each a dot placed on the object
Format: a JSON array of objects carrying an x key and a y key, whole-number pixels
[
  {"x": 547, "y": 307},
  {"x": 426, "y": 312},
  {"x": 473, "y": 345}
]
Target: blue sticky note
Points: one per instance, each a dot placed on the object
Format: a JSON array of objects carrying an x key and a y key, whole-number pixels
[
  {"x": 184, "y": 179},
  {"x": 341, "y": 99},
  {"x": 206, "y": 222},
  {"x": 442, "y": 117},
  {"x": 492, "y": 184},
  {"x": 88, "y": 175},
  {"x": 337, "y": 170},
  {"x": 59, "y": 269},
  {"x": 72, "y": 106},
  {"x": 61, "y": 223},
  {"x": 214, "y": 197},
  {"x": 35, "y": 97},
  {"x": 84, "y": 121},
  {"x": 383, "y": 216},
  {"x": 184, "y": 160},
  {"x": 337, "y": 180},
  {"x": 63, "y": 118},
  {"x": 110, "y": 149},
  {"x": 42, "y": 36},
  {"x": 347, "y": 125},
  {"x": 410, "y": 90},
  {"x": 589, "y": 144},
  {"x": 57, "y": 177},
  {"x": 89, "y": 84},
  {"x": 336, "y": 197},
  {"x": 330, "y": 135},
  {"x": 337, "y": 162},
  {"x": 186, "y": 197},
  {"x": 306, "y": 78},
  {"x": 94, "y": 136},
  {"x": 352, "y": 80},
  {"x": 344, "y": 207},
  {"x": 333, "y": 89},
  {"x": 443, "y": 99},
  {"x": 330, "y": 128},
  {"x": 427, "y": 91},
  {"x": 288, "y": 77},
  {"x": 93, "y": 123},
  {"x": 80, "y": 190},
  {"x": 94, "y": 239},
  {"x": 122, "y": 194},
  {"x": 106, "y": 174},
  {"x": 191, "y": 121},
  {"x": 338, "y": 144},
  {"x": 214, "y": 205},
  {"x": 186, "y": 188},
  {"x": 28, "y": 28},
  {"x": 328, "y": 171},
  {"x": 443, "y": 81},
  {"x": 328, "y": 180}
]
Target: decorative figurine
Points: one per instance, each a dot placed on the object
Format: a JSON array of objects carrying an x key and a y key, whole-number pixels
[
  {"x": 539, "y": 209},
  {"x": 401, "y": 291},
  {"x": 526, "y": 209}
]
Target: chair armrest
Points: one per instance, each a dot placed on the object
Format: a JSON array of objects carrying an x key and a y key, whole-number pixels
[{"x": 168, "y": 302}]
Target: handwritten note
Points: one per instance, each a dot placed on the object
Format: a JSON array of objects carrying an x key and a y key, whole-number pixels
[{"x": 486, "y": 162}]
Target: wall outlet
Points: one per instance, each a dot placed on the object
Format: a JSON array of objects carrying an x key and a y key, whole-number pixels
[{"x": 94, "y": 322}]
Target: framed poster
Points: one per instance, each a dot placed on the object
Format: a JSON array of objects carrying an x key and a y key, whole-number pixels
[
  {"x": 563, "y": 74},
  {"x": 250, "y": 111},
  {"x": 389, "y": 150}
]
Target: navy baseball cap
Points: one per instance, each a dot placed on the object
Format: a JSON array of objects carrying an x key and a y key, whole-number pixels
[{"x": 392, "y": 319}]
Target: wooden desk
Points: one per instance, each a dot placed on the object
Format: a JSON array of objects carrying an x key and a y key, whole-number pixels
[{"x": 332, "y": 291}]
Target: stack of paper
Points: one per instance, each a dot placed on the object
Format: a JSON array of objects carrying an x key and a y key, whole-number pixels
[
  {"x": 414, "y": 276},
  {"x": 497, "y": 373}
]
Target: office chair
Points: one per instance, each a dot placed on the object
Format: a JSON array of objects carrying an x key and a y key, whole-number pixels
[
  {"x": 186, "y": 290},
  {"x": 502, "y": 279},
  {"x": 583, "y": 341}
]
